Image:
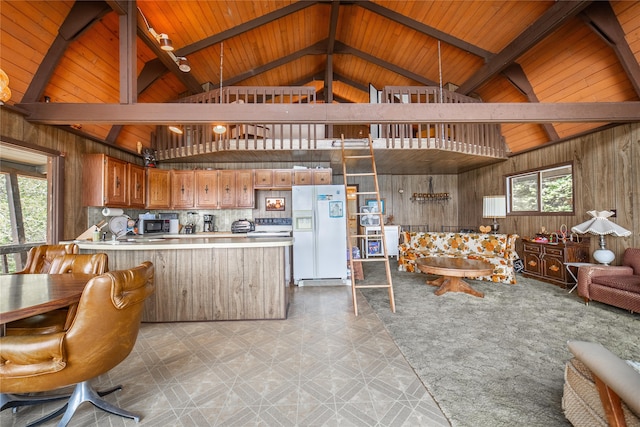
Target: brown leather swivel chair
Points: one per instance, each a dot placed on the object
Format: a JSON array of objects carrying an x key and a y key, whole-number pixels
[
  {"x": 60, "y": 320},
  {"x": 101, "y": 336},
  {"x": 40, "y": 258}
]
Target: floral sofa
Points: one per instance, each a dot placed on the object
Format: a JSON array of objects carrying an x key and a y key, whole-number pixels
[{"x": 497, "y": 249}]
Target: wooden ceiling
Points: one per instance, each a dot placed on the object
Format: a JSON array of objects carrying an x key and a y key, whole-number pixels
[{"x": 544, "y": 52}]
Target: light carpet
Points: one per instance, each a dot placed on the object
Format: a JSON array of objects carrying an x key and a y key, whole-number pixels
[{"x": 497, "y": 360}]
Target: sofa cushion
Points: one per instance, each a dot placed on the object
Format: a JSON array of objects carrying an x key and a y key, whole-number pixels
[
  {"x": 631, "y": 258},
  {"x": 625, "y": 283}
]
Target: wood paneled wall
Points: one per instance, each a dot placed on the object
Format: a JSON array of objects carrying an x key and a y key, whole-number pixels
[
  {"x": 606, "y": 165},
  {"x": 72, "y": 147},
  {"x": 607, "y": 176}
]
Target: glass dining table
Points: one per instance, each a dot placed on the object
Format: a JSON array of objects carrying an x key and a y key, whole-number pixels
[{"x": 25, "y": 295}]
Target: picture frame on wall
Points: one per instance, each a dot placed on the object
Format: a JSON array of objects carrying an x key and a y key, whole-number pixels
[
  {"x": 274, "y": 203},
  {"x": 373, "y": 204}
]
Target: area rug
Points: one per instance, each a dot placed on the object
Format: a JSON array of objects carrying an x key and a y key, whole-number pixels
[{"x": 497, "y": 360}]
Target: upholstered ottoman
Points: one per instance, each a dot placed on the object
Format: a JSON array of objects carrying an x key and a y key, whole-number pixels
[{"x": 581, "y": 401}]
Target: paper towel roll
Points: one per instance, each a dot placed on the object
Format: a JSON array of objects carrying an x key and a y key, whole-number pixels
[{"x": 112, "y": 212}]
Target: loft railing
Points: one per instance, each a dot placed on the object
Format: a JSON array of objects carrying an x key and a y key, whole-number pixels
[{"x": 468, "y": 138}]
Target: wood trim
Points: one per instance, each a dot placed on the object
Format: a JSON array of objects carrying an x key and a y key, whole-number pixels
[
  {"x": 190, "y": 113},
  {"x": 611, "y": 404}
]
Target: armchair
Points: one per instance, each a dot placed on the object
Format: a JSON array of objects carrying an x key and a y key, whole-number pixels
[
  {"x": 614, "y": 285},
  {"x": 59, "y": 320},
  {"x": 101, "y": 336},
  {"x": 40, "y": 258}
]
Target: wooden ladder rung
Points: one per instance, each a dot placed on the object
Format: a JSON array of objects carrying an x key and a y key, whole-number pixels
[
  {"x": 361, "y": 174},
  {"x": 372, "y": 286}
]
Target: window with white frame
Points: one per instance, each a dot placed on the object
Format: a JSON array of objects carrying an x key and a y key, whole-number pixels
[{"x": 542, "y": 191}]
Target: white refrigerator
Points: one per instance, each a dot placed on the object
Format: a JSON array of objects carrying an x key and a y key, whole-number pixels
[{"x": 319, "y": 233}]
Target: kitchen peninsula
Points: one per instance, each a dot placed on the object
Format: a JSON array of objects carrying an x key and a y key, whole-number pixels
[{"x": 208, "y": 278}]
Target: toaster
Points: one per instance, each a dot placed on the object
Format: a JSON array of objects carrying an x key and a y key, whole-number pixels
[{"x": 242, "y": 226}]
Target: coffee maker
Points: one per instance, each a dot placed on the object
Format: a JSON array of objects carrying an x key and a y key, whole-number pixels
[{"x": 209, "y": 223}]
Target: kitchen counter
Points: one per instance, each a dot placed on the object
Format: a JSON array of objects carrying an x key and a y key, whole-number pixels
[
  {"x": 208, "y": 278},
  {"x": 194, "y": 241}
]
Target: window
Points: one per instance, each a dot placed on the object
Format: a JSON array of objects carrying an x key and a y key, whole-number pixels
[
  {"x": 29, "y": 212},
  {"x": 544, "y": 191}
]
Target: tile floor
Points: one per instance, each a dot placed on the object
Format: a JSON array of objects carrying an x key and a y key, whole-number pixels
[{"x": 321, "y": 367}]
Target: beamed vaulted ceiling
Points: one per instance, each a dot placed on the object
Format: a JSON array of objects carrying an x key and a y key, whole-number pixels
[{"x": 546, "y": 70}]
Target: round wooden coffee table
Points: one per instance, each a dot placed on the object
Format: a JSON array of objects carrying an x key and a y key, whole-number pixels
[{"x": 452, "y": 270}]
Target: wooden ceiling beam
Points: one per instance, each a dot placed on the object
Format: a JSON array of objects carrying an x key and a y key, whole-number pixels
[
  {"x": 242, "y": 28},
  {"x": 342, "y": 48},
  {"x": 318, "y": 48},
  {"x": 185, "y": 78},
  {"x": 80, "y": 18},
  {"x": 164, "y": 113},
  {"x": 424, "y": 29},
  {"x": 553, "y": 18},
  {"x": 601, "y": 18},
  {"x": 516, "y": 75},
  {"x": 128, "y": 54}
]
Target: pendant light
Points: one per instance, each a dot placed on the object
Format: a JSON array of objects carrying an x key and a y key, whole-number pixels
[{"x": 219, "y": 128}]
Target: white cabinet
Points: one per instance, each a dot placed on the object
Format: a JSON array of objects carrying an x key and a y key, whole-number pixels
[{"x": 372, "y": 242}]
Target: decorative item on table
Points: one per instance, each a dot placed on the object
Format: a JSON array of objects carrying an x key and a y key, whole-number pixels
[
  {"x": 494, "y": 207},
  {"x": 600, "y": 225},
  {"x": 484, "y": 228}
]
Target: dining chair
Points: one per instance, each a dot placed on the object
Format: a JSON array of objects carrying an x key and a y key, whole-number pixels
[
  {"x": 39, "y": 258},
  {"x": 59, "y": 320},
  {"x": 100, "y": 337}
]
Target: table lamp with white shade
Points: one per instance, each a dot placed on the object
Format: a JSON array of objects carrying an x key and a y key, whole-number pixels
[
  {"x": 601, "y": 226},
  {"x": 494, "y": 207}
]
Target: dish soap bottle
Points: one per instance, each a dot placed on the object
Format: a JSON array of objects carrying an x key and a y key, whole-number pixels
[{"x": 96, "y": 234}]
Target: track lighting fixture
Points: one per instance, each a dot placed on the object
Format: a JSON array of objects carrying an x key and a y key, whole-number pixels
[
  {"x": 164, "y": 41},
  {"x": 167, "y": 45},
  {"x": 183, "y": 64},
  {"x": 176, "y": 129}
]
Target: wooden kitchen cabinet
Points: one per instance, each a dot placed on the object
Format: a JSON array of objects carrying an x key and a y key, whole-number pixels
[
  {"x": 182, "y": 189},
  {"x": 272, "y": 179},
  {"x": 244, "y": 189},
  {"x": 545, "y": 261},
  {"x": 302, "y": 177},
  {"x": 312, "y": 176},
  {"x": 105, "y": 181},
  {"x": 322, "y": 176},
  {"x": 263, "y": 179},
  {"x": 137, "y": 186},
  {"x": 158, "y": 188},
  {"x": 206, "y": 189}
]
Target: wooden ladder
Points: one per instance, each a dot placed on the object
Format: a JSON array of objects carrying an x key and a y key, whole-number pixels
[{"x": 355, "y": 156}]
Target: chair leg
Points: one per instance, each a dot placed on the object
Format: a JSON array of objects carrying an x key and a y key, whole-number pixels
[
  {"x": 85, "y": 393},
  {"x": 8, "y": 400}
]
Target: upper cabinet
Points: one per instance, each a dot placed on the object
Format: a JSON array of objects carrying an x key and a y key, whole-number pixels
[
  {"x": 105, "y": 181},
  {"x": 158, "y": 188},
  {"x": 182, "y": 189},
  {"x": 312, "y": 176},
  {"x": 236, "y": 189},
  {"x": 206, "y": 189},
  {"x": 137, "y": 186},
  {"x": 273, "y": 179}
]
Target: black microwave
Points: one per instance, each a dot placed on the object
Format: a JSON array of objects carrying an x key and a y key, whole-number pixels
[{"x": 148, "y": 226}]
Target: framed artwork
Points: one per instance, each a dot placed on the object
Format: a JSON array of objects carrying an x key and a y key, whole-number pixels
[
  {"x": 373, "y": 204},
  {"x": 274, "y": 203},
  {"x": 336, "y": 209}
]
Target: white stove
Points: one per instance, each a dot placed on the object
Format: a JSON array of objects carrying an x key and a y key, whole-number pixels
[{"x": 272, "y": 227}]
